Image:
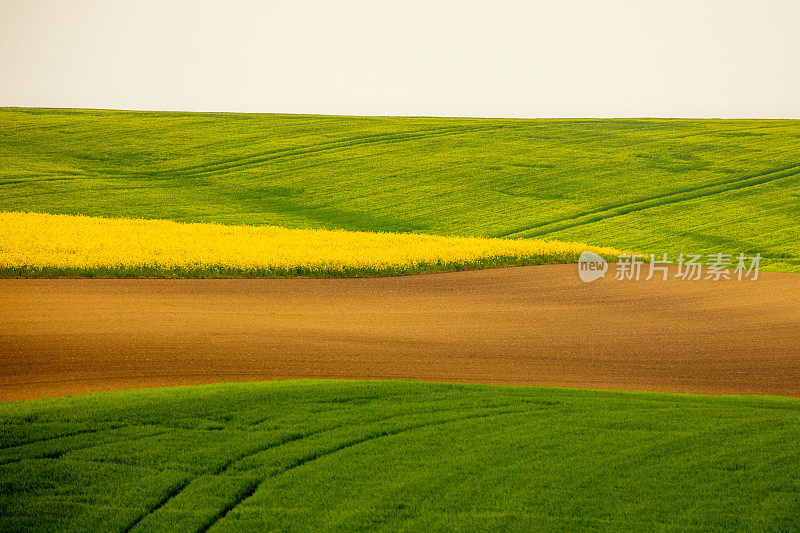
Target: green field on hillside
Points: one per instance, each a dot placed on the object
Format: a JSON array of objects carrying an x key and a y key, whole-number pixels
[
  {"x": 308, "y": 455},
  {"x": 692, "y": 186}
]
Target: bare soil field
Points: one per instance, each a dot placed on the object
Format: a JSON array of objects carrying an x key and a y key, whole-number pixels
[{"x": 523, "y": 326}]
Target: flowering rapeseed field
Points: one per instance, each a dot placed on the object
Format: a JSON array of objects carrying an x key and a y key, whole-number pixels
[{"x": 34, "y": 244}]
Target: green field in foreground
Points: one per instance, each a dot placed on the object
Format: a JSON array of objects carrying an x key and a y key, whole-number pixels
[
  {"x": 691, "y": 186},
  {"x": 398, "y": 455}
]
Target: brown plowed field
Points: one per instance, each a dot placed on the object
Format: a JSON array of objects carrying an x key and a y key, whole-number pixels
[{"x": 530, "y": 325}]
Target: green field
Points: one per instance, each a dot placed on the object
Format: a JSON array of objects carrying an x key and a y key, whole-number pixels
[
  {"x": 398, "y": 455},
  {"x": 310, "y": 455},
  {"x": 692, "y": 186}
]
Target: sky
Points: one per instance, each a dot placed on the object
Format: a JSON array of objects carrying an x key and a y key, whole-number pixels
[{"x": 493, "y": 58}]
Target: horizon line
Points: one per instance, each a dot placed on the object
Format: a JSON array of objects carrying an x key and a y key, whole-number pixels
[{"x": 353, "y": 115}]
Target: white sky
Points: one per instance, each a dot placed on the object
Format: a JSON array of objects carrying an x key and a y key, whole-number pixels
[{"x": 560, "y": 58}]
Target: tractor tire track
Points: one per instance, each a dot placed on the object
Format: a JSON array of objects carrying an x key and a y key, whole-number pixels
[
  {"x": 62, "y": 436},
  {"x": 248, "y": 162},
  {"x": 174, "y": 491},
  {"x": 603, "y": 213},
  {"x": 60, "y": 453},
  {"x": 223, "y": 163},
  {"x": 219, "y": 470},
  {"x": 343, "y": 446}
]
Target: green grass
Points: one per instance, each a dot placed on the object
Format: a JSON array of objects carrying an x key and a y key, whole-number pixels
[
  {"x": 310, "y": 455},
  {"x": 692, "y": 186}
]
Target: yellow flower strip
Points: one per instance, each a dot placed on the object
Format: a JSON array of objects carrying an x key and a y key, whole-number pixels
[{"x": 35, "y": 241}]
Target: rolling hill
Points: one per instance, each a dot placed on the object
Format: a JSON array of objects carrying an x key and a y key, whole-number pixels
[
  {"x": 675, "y": 186},
  {"x": 305, "y": 455}
]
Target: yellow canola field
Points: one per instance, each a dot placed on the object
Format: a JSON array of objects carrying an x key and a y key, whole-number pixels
[{"x": 37, "y": 241}]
